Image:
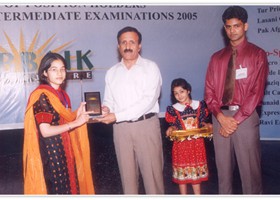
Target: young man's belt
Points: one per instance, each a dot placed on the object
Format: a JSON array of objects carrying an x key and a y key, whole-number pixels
[{"x": 231, "y": 108}]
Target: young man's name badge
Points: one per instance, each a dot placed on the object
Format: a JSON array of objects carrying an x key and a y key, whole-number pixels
[{"x": 241, "y": 73}]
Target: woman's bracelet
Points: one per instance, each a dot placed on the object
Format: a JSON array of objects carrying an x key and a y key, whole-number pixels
[{"x": 69, "y": 127}]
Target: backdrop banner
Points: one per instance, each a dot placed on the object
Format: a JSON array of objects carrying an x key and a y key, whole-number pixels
[{"x": 179, "y": 38}]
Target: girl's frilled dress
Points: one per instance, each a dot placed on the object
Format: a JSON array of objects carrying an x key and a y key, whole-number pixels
[{"x": 189, "y": 160}]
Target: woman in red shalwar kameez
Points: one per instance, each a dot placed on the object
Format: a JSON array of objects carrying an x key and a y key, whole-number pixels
[{"x": 56, "y": 156}]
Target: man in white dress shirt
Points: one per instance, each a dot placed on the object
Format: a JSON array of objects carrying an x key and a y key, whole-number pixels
[{"x": 131, "y": 102}]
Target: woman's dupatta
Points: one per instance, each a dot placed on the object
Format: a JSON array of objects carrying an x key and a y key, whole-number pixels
[{"x": 34, "y": 181}]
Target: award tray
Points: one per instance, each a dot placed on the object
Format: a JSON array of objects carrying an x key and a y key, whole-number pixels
[{"x": 181, "y": 135}]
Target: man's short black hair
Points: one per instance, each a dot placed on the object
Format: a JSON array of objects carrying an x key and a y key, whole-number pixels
[
  {"x": 235, "y": 12},
  {"x": 130, "y": 29}
]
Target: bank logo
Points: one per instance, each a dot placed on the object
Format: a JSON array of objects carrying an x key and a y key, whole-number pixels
[
  {"x": 21, "y": 64},
  {"x": 25, "y": 59}
]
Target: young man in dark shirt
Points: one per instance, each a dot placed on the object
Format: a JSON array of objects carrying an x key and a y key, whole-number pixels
[{"x": 236, "y": 122}]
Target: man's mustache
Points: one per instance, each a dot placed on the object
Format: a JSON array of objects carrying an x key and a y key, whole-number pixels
[{"x": 128, "y": 50}]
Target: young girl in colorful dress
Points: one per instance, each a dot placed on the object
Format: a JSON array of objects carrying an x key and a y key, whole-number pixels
[
  {"x": 189, "y": 161},
  {"x": 56, "y": 153}
]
